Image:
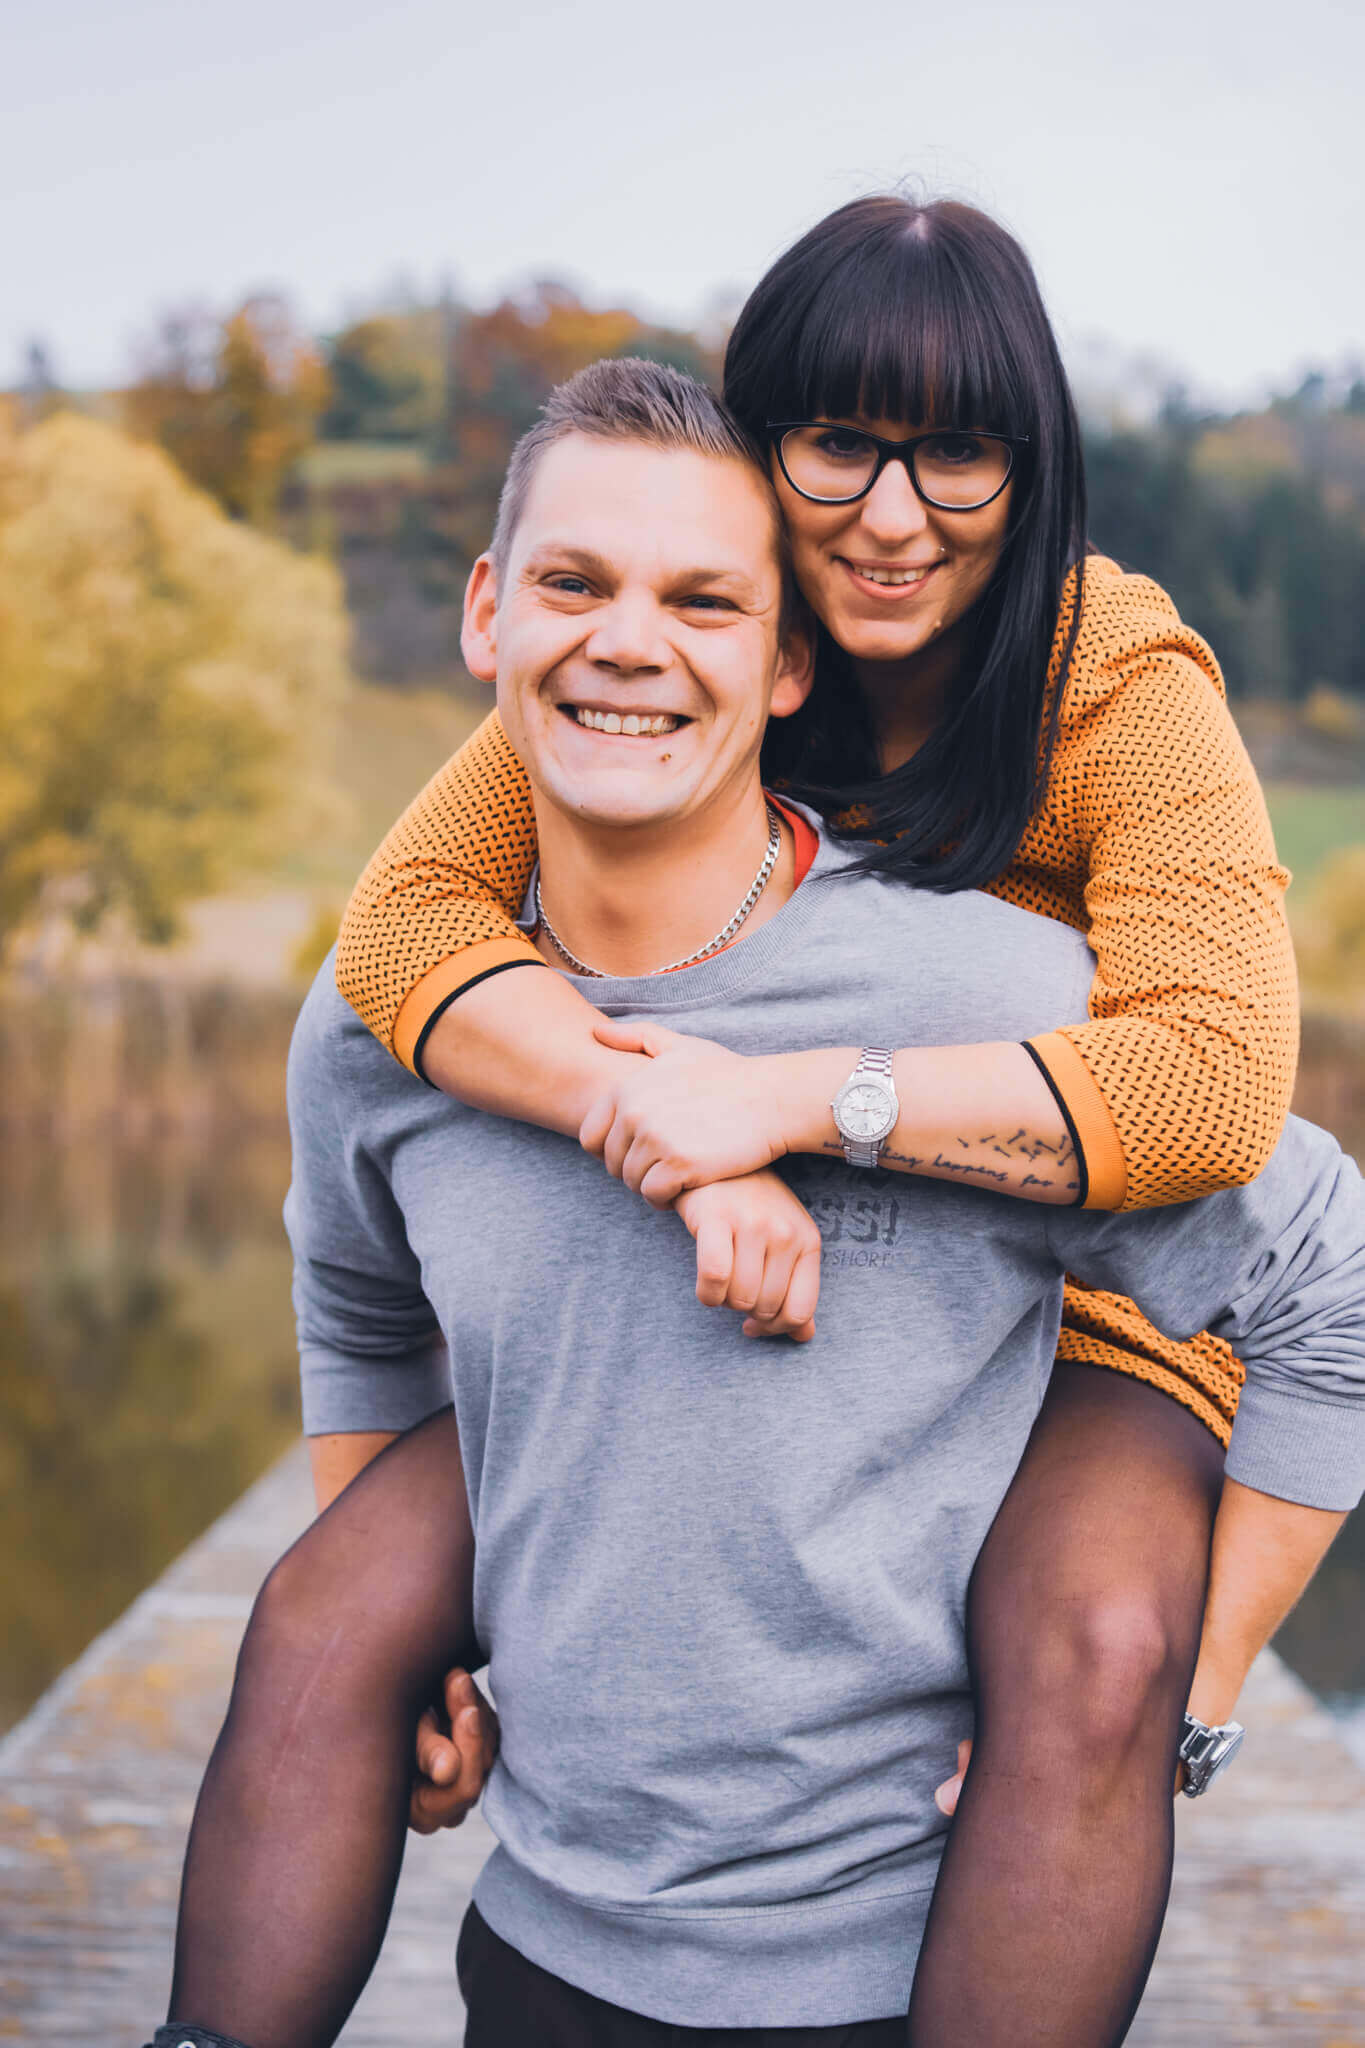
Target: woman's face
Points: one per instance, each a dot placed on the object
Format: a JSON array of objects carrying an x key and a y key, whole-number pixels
[{"x": 941, "y": 561}]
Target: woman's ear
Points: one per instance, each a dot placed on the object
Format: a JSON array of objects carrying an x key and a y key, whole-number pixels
[
  {"x": 479, "y": 632},
  {"x": 795, "y": 669}
]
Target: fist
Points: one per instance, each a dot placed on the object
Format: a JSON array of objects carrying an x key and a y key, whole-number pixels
[{"x": 456, "y": 1746}]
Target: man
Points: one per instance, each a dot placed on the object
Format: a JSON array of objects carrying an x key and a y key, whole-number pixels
[{"x": 721, "y": 1587}]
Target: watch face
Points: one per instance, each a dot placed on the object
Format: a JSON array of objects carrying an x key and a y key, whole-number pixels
[{"x": 865, "y": 1111}]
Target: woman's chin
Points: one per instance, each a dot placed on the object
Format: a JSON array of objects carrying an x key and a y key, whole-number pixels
[{"x": 867, "y": 639}]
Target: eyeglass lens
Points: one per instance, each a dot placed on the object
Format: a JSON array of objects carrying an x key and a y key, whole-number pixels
[{"x": 837, "y": 463}]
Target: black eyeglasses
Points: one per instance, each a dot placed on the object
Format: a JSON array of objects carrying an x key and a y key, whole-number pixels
[{"x": 834, "y": 465}]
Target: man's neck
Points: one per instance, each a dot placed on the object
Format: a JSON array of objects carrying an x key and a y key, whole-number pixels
[{"x": 630, "y": 901}]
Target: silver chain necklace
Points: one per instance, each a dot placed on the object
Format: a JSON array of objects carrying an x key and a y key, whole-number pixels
[{"x": 722, "y": 938}]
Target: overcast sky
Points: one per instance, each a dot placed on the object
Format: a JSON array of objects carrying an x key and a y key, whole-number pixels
[{"x": 1187, "y": 177}]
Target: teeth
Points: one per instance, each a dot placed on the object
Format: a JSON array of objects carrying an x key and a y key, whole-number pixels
[
  {"x": 894, "y": 575},
  {"x": 634, "y": 724}
]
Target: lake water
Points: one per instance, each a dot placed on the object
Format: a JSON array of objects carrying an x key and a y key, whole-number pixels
[{"x": 147, "y": 1375}]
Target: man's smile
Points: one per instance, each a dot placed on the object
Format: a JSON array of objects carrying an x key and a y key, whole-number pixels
[{"x": 627, "y": 724}]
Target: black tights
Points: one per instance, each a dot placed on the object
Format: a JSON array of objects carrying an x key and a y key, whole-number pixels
[
  {"x": 1083, "y": 1623},
  {"x": 1083, "y": 1617},
  {"x": 298, "y": 1836}
]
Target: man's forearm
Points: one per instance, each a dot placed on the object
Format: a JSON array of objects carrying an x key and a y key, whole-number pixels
[
  {"x": 336, "y": 1460},
  {"x": 1265, "y": 1551}
]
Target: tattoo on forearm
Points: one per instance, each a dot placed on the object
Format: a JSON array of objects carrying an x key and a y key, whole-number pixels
[{"x": 1021, "y": 1146}]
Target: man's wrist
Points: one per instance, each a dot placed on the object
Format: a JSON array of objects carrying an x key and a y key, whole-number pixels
[{"x": 1215, "y": 1691}]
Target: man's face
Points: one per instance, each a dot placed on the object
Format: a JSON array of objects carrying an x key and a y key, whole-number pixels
[{"x": 634, "y": 630}]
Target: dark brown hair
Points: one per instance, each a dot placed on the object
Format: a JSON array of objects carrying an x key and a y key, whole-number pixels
[{"x": 929, "y": 314}]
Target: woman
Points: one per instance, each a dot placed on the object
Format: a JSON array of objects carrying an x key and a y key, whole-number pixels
[{"x": 1008, "y": 716}]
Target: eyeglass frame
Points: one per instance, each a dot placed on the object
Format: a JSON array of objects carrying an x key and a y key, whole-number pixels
[{"x": 897, "y": 451}]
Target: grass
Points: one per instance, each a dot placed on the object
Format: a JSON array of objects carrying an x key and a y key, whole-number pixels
[
  {"x": 388, "y": 744},
  {"x": 359, "y": 462},
  {"x": 1312, "y": 822}
]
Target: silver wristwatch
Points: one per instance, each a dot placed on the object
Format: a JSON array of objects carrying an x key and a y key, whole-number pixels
[
  {"x": 867, "y": 1109},
  {"x": 1206, "y": 1751}
]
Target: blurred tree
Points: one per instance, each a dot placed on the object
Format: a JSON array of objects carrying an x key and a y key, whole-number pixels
[
  {"x": 164, "y": 675},
  {"x": 234, "y": 403},
  {"x": 1256, "y": 525},
  {"x": 40, "y": 392},
  {"x": 387, "y": 379},
  {"x": 507, "y": 362}
]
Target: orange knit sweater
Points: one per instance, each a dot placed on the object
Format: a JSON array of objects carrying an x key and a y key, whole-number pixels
[{"x": 1153, "y": 839}]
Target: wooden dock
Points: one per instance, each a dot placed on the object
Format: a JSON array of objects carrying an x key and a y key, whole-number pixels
[{"x": 1264, "y": 1944}]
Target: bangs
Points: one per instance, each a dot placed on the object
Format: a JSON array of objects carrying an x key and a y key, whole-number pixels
[{"x": 899, "y": 329}]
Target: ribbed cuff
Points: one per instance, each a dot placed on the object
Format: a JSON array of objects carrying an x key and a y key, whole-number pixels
[
  {"x": 343, "y": 1393},
  {"x": 1298, "y": 1449},
  {"x": 1087, "y": 1111},
  {"x": 447, "y": 979}
]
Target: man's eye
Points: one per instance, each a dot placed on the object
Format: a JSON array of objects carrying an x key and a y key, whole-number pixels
[
  {"x": 706, "y": 600},
  {"x": 573, "y": 586}
]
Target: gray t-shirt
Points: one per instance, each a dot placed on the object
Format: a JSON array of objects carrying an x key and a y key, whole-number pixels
[{"x": 721, "y": 1583}]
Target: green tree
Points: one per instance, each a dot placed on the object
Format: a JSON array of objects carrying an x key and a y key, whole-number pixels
[
  {"x": 387, "y": 379},
  {"x": 165, "y": 678}
]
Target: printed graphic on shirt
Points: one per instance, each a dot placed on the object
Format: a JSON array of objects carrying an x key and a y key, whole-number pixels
[{"x": 862, "y": 1222}]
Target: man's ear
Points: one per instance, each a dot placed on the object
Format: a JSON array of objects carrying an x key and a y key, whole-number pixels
[
  {"x": 479, "y": 632},
  {"x": 795, "y": 669}
]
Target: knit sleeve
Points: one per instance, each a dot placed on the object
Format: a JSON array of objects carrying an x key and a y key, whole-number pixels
[
  {"x": 1179, "y": 1084},
  {"x": 434, "y": 911}
]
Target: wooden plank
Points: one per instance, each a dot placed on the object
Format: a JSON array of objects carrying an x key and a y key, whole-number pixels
[{"x": 1263, "y": 1943}]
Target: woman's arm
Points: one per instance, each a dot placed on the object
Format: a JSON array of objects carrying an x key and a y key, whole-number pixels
[
  {"x": 431, "y": 920},
  {"x": 434, "y": 912},
  {"x": 1155, "y": 831},
  {"x": 692, "y": 1112}
]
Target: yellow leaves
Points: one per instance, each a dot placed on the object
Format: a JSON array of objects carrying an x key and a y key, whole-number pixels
[{"x": 165, "y": 677}]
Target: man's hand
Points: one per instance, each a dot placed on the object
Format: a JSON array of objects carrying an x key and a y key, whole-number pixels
[
  {"x": 688, "y": 1113},
  {"x": 453, "y": 1767},
  {"x": 758, "y": 1251},
  {"x": 950, "y": 1791}
]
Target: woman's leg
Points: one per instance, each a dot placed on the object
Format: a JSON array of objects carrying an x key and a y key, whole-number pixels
[
  {"x": 298, "y": 1835},
  {"x": 1083, "y": 1621}
]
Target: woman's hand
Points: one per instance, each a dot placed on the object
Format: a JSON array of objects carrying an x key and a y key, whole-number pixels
[
  {"x": 689, "y": 1113},
  {"x": 758, "y": 1251}
]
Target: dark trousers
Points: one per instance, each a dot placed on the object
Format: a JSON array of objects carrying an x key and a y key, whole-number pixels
[{"x": 513, "y": 2003}]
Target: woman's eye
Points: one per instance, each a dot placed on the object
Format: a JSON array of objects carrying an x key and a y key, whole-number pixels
[
  {"x": 956, "y": 450},
  {"x": 841, "y": 446}
]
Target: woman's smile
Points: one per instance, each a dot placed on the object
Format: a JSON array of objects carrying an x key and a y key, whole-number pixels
[
  {"x": 890, "y": 582},
  {"x": 887, "y": 574}
]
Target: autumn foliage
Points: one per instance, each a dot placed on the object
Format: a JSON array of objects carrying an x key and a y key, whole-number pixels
[
  {"x": 166, "y": 677},
  {"x": 234, "y": 404}
]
